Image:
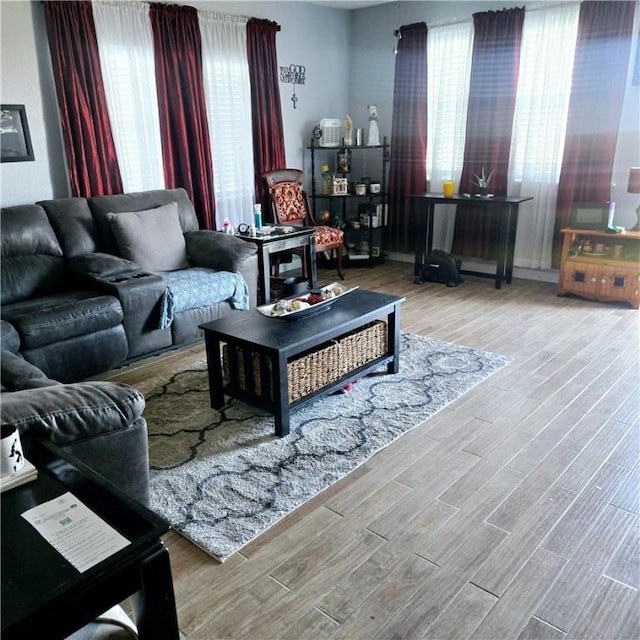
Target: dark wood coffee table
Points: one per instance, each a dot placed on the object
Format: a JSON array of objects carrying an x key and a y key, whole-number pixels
[
  {"x": 44, "y": 596},
  {"x": 275, "y": 341}
]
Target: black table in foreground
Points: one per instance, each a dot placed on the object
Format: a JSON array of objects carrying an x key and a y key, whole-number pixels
[
  {"x": 505, "y": 206},
  {"x": 268, "y": 346},
  {"x": 44, "y": 596}
]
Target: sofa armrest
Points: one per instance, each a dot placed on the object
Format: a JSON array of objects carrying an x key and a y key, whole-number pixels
[
  {"x": 100, "y": 266},
  {"x": 99, "y": 422},
  {"x": 16, "y": 373},
  {"x": 138, "y": 291},
  {"x": 215, "y": 250}
]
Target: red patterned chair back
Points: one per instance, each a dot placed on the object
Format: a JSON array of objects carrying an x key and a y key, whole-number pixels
[
  {"x": 290, "y": 206},
  {"x": 289, "y": 203}
]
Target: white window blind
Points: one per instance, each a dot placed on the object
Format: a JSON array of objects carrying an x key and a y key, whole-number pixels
[{"x": 544, "y": 88}]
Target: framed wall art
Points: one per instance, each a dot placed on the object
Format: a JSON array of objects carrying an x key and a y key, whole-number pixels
[{"x": 15, "y": 141}]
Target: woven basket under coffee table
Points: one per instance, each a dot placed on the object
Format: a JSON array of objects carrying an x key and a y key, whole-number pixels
[{"x": 280, "y": 364}]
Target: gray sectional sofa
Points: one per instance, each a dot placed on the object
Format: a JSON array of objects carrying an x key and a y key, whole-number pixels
[
  {"x": 88, "y": 285},
  {"x": 91, "y": 284}
]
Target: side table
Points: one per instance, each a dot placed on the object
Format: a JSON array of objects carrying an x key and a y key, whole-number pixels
[
  {"x": 44, "y": 596},
  {"x": 271, "y": 243}
]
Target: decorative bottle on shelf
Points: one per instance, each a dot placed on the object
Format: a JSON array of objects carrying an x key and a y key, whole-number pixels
[{"x": 327, "y": 180}]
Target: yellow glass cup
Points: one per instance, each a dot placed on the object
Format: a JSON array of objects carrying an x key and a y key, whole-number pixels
[{"x": 448, "y": 188}]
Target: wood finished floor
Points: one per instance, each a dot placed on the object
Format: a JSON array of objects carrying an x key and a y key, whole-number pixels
[{"x": 513, "y": 513}]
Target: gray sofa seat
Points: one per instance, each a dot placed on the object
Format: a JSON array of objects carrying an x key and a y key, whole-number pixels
[
  {"x": 204, "y": 249},
  {"x": 52, "y": 318},
  {"x": 67, "y": 331},
  {"x": 80, "y": 307}
]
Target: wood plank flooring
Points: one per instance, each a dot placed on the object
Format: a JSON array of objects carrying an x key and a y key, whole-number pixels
[{"x": 511, "y": 514}]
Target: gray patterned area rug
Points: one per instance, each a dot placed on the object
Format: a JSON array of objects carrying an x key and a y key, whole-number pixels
[{"x": 222, "y": 477}]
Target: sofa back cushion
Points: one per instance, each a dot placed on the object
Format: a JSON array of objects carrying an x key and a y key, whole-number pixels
[
  {"x": 32, "y": 262},
  {"x": 152, "y": 238},
  {"x": 73, "y": 223},
  {"x": 102, "y": 206}
]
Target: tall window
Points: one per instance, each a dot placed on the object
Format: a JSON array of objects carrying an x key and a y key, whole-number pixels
[
  {"x": 540, "y": 122},
  {"x": 228, "y": 96},
  {"x": 449, "y": 70},
  {"x": 449, "y": 51},
  {"x": 540, "y": 119},
  {"x": 125, "y": 43}
]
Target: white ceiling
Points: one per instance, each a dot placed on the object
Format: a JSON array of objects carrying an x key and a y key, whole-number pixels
[{"x": 348, "y": 4}]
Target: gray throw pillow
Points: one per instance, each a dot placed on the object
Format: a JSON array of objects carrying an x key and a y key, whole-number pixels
[{"x": 152, "y": 238}]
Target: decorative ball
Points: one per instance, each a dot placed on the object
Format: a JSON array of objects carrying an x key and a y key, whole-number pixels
[{"x": 325, "y": 217}]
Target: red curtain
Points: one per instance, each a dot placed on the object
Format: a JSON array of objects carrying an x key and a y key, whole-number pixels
[
  {"x": 91, "y": 154},
  {"x": 600, "y": 69},
  {"x": 184, "y": 129},
  {"x": 266, "y": 112},
  {"x": 492, "y": 99},
  {"x": 408, "y": 165}
]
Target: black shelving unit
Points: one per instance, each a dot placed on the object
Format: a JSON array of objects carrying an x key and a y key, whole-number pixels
[{"x": 364, "y": 217}]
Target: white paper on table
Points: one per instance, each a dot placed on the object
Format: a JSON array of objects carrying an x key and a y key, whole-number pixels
[{"x": 74, "y": 531}]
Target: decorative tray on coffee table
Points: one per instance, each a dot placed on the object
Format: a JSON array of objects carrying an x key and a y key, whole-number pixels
[{"x": 315, "y": 301}]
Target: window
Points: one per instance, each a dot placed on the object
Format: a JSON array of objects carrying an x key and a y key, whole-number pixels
[
  {"x": 544, "y": 87},
  {"x": 125, "y": 43},
  {"x": 228, "y": 95},
  {"x": 449, "y": 71}
]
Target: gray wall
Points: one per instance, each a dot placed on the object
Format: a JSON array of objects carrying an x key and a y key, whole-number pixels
[{"x": 349, "y": 63}]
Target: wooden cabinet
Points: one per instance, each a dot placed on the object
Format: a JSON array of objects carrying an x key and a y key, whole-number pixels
[
  {"x": 352, "y": 194},
  {"x": 601, "y": 266}
]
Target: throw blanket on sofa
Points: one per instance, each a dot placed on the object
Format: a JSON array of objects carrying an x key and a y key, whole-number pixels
[{"x": 198, "y": 287}]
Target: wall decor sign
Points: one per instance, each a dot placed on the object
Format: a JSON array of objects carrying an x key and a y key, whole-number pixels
[
  {"x": 15, "y": 141},
  {"x": 293, "y": 74}
]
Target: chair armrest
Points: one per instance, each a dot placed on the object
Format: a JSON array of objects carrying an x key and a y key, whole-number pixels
[{"x": 215, "y": 250}]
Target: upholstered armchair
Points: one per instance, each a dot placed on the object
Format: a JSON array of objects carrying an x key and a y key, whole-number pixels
[{"x": 290, "y": 206}]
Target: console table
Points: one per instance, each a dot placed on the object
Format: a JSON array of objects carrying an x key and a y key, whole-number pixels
[
  {"x": 505, "y": 206},
  {"x": 44, "y": 596}
]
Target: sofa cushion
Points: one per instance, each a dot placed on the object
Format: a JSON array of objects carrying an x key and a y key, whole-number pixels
[
  {"x": 32, "y": 261},
  {"x": 16, "y": 373},
  {"x": 58, "y": 317},
  {"x": 217, "y": 250},
  {"x": 73, "y": 223},
  {"x": 9, "y": 337},
  {"x": 102, "y": 206},
  {"x": 152, "y": 238}
]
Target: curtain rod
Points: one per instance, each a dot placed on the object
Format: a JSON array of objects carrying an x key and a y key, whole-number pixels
[
  {"x": 447, "y": 23},
  {"x": 278, "y": 27}
]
